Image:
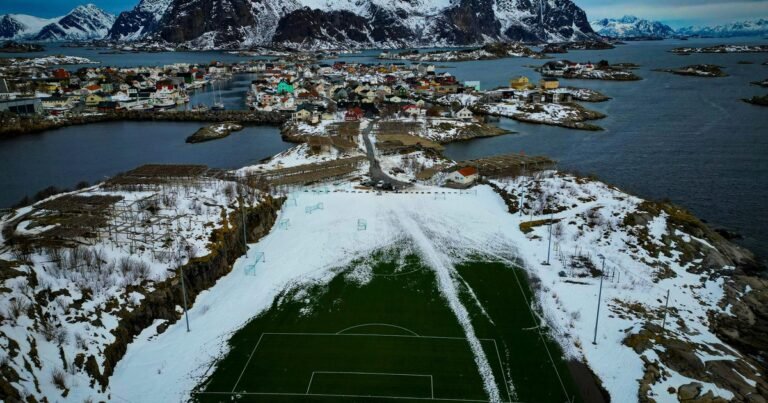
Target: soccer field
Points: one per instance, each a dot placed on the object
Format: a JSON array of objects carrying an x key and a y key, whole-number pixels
[
  {"x": 358, "y": 363},
  {"x": 391, "y": 337}
]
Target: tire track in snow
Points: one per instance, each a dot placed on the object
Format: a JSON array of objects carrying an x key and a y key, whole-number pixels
[{"x": 441, "y": 264}]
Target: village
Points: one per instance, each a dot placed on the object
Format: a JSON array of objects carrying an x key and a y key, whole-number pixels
[{"x": 299, "y": 90}]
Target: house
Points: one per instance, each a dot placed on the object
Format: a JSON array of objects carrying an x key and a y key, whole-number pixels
[
  {"x": 464, "y": 114},
  {"x": 464, "y": 176},
  {"x": 60, "y": 74},
  {"x": 283, "y": 87},
  {"x": 93, "y": 100},
  {"x": 22, "y": 107},
  {"x": 520, "y": 83},
  {"x": 353, "y": 114},
  {"x": 303, "y": 113},
  {"x": 549, "y": 84},
  {"x": 414, "y": 111},
  {"x": 107, "y": 106}
]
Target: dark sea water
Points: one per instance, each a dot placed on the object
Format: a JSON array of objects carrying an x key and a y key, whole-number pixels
[
  {"x": 63, "y": 157},
  {"x": 688, "y": 139}
]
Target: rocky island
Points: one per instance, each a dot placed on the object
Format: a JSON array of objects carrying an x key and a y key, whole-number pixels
[
  {"x": 589, "y": 71},
  {"x": 757, "y": 100},
  {"x": 17, "y": 47},
  {"x": 722, "y": 49},
  {"x": 698, "y": 70},
  {"x": 214, "y": 132},
  {"x": 487, "y": 52}
]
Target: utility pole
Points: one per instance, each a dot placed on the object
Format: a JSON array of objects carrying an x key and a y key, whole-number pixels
[
  {"x": 549, "y": 247},
  {"x": 666, "y": 307},
  {"x": 184, "y": 295},
  {"x": 599, "y": 297},
  {"x": 245, "y": 237}
]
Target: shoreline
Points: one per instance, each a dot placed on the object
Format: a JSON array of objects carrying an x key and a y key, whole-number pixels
[{"x": 23, "y": 126}]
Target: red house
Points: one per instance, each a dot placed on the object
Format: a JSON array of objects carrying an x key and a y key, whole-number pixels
[
  {"x": 353, "y": 114},
  {"x": 60, "y": 74}
]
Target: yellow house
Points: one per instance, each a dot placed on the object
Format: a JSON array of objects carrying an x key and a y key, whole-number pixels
[
  {"x": 93, "y": 100},
  {"x": 48, "y": 88},
  {"x": 549, "y": 84},
  {"x": 302, "y": 114},
  {"x": 520, "y": 83}
]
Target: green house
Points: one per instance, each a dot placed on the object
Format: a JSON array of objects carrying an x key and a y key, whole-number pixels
[{"x": 283, "y": 87}]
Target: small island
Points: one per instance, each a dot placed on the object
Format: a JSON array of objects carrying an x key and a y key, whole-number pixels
[
  {"x": 763, "y": 83},
  {"x": 757, "y": 100},
  {"x": 698, "y": 70},
  {"x": 589, "y": 71},
  {"x": 16, "y": 47},
  {"x": 47, "y": 61},
  {"x": 488, "y": 52},
  {"x": 722, "y": 49},
  {"x": 214, "y": 132}
]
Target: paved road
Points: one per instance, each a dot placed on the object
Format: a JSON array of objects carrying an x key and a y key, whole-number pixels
[{"x": 377, "y": 174}]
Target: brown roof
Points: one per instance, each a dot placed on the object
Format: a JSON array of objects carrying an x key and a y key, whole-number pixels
[{"x": 468, "y": 171}]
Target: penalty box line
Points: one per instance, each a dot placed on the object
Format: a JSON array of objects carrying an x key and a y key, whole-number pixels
[
  {"x": 498, "y": 355},
  {"x": 431, "y": 379}
]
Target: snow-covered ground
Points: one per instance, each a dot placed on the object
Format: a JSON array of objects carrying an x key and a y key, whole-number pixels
[
  {"x": 150, "y": 233},
  {"x": 589, "y": 226},
  {"x": 592, "y": 221},
  {"x": 305, "y": 252}
]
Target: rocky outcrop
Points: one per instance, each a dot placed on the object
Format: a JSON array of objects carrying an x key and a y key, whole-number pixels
[
  {"x": 200, "y": 274},
  {"x": 139, "y": 21},
  {"x": 222, "y": 21},
  {"x": 400, "y": 23},
  {"x": 320, "y": 26},
  {"x": 214, "y": 132}
]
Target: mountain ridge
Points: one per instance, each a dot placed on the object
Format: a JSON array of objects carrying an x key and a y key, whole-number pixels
[
  {"x": 84, "y": 22},
  {"x": 355, "y": 24}
]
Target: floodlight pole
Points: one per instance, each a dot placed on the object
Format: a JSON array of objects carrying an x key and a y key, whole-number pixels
[
  {"x": 549, "y": 247},
  {"x": 245, "y": 237},
  {"x": 599, "y": 297},
  {"x": 666, "y": 307},
  {"x": 184, "y": 295}
]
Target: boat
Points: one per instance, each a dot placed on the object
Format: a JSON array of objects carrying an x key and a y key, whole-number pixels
[{"x": 163, "y": 103}]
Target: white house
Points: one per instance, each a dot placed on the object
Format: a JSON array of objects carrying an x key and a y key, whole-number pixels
[
  {"x": 464, "y": 176},
  {"x": 464, "y": 114}
]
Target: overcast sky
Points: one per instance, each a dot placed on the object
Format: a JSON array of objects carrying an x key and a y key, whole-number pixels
[{"x": 673, "y": 12}]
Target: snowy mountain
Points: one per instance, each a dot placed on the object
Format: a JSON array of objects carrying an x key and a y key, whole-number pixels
[
  {"x": 83, "y": 22},
  {"x": 350, "y": 23},
  {"x": 741, "y": 28},
  {"x": 136, "y": 23},
  {"x": 631, "y": 27},
  {"x": 21, "y": 26}
]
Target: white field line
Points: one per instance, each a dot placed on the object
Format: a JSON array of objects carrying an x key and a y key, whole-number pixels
[
  {"x": 247, "y": 362},
  {"x": 378, "y": 324},
  {"x": 332, "y": 395},
  {"x": 368, "y": 334},
  {"x": 501, "y": 368},
  {"x": 431, "y": 380},
  {"x": 538, "y": 328},
  {"x": 415, "y": 336}
]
